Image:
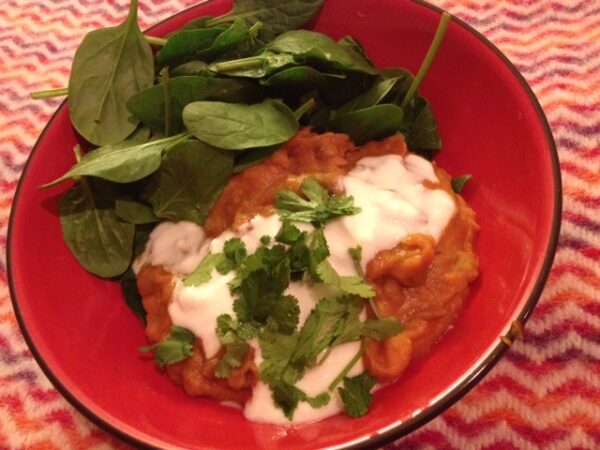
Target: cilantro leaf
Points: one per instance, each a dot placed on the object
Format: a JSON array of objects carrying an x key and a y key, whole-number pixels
[
  {"x": 318, "y": 208},
  {"x": 380, "y": 329},
  {"x": 326, "y": 321},
  {"x": 234, "y": 251},
  {"x": 236, "y": 350},
  {"x": 458, "y": 183},
  {"x": 318, "y": 401},
  {"x": 354, "y": 285},
  {"x": 203, "y": 272},
  {"x": 356, "y": 394},
  {"x": 289, "y": 234},
  {"x": 276, "y": 349},
  {"x": 174, "y": 348},
  {"x": 287, "y": 397}
]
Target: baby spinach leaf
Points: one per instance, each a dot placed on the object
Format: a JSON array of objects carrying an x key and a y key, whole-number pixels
[
  {"x": 458, "y": 183},
  {"x": 304, "y": 76},
  {"x": 276, "y": 17},
  {"x": 307, "y": 46},
  {"x": 238, "y": 32},
  {"x": 373, "y": 96},
  {"x": 191, "y": 177},
  {"x": 238, "y": 127},
  {"x": 101, "y": 242},
  {"x": 133, "y": 299},
  {"x": 110, "y": 65},
  {"x": 134, "y": 212},
  {"x": 123, "y": 164},
  {"x": 200, "y": 22},
  {"x": 191, "y": 68},
  {"x": 249, "y": 158},
  {"x": 367, "y": 124},
  {"x": 420, "y": 128},
  {"x": 149, "y": 104},
  {"x": 257, "y": 66},
  {"x": 184, "y": 45}
]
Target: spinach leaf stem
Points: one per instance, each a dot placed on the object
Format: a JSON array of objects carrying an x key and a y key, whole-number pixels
[
  {"x": 304, "y": 108},
  {"x": 236, "y": 64},
  {"x": 160, "y": 42},
  {"x": 429, "y": 57},
  {"x": 50, "y": 93}
]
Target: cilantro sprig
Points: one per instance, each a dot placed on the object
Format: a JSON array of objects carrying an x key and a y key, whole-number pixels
[
  {"x": 318, "y": 207},
  {"x": 264, "y": 311},
  {"x": 174, "y": 348}
]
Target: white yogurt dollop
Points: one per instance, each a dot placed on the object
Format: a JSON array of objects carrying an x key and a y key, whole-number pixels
[{"x": 394, "y": 203}]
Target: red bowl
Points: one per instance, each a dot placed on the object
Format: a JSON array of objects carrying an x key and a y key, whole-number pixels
[{"x": 86, "y": 340}]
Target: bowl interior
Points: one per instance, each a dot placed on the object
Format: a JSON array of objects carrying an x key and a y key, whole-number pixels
[{"x": 86, "y": 339}]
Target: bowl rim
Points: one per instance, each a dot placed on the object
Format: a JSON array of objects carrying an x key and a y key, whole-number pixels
[{"x": 442, "y": 402}]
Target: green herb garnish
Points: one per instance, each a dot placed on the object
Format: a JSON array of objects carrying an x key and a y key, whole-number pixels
[{"x": 174, "y": 348}]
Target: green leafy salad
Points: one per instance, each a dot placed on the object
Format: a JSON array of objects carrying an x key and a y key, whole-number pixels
[{"x": 168, "y": 121}]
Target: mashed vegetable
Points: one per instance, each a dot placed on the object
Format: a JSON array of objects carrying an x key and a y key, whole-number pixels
[{"x": 416, "y": 237}]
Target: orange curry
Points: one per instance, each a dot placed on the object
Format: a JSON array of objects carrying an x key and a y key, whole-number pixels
[{"x": 421, "y": 283}]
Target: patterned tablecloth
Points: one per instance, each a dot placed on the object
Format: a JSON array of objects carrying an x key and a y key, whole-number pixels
[{"x": 545, "y": 393}]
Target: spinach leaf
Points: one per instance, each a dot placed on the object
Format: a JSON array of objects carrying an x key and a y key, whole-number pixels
[
  {"x": 110, "y": 65},
  {"x": 200, "y": 22},
  {"x": 237, "y": 33},
  {"x": 199, "y": 68},
  {"x": 420, "y": 128},
  {"x": 371, "y": 97},
  {"x": 204, "y": 43},
  {"x": 133, "y": 299},
  {"x": 257, "y": 66},
  {"x": 149, "y": 104},
  {"x": 101, "y": 242},
  {"x": 134, "y": 212},
  {"x": 367, "y": 124},
  {"x": 249, "y": 158},
  {"x": 276, "y": 17},
  {"x": 299, "y": 76},
  {"x": 458, "y": 183},
  {"x": 237, "y": 127},
  {"x": 123, "y": 164},
  {"x": 191, "y": 177},
  {"x": 310, "y": 46},
  {"x": 184, "y": 45}
]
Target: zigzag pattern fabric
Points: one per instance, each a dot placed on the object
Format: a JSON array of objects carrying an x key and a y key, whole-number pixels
[{"x": 545, "y": 393}]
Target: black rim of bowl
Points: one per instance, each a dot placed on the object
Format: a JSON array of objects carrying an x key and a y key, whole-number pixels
[{"x": 427, "y": 414}]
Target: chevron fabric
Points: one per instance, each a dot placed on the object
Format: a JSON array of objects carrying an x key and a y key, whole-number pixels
[{"x": 544, "y": 394}]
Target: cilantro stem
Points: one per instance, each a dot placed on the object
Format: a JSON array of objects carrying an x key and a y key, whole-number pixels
[
  {"x": 156, "y": 41},
  {"x": 356, "y": 255},
  {"x": 429, "y": 57},
  {"x": 49, "y": 93},
  {"x": 349, "y": 366}
]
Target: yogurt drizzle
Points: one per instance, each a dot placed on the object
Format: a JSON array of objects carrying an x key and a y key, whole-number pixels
[{"x": 394, "y": 203}]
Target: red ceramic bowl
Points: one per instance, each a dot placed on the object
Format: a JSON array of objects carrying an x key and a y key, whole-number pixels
[{"x": 86, "y": 340}]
